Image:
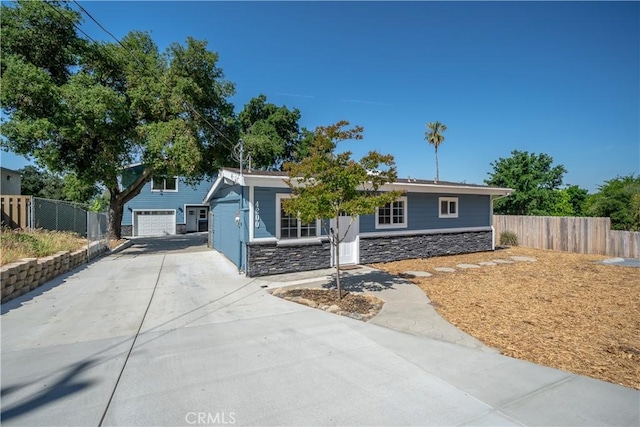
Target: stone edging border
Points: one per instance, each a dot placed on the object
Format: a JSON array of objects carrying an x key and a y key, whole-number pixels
[{"x": 281, "y": 293}]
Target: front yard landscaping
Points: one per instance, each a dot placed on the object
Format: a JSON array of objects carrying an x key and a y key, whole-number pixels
[{"x": 563, "y": 310}]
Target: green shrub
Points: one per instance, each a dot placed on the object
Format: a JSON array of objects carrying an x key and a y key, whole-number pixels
[{"x": 508, "y": 238}]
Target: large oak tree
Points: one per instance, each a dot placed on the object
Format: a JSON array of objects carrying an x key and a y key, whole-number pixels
[{"x": 92, "y": 108}]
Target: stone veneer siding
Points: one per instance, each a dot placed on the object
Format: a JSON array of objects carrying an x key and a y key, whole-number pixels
[
  {"x": 396, "y": 248},
  {"x": 126, "y": 230},
  {"x": 268, "y": 258}
]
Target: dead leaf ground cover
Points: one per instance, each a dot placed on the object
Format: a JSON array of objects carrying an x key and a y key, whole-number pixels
[{"x": 563, "y": 311}]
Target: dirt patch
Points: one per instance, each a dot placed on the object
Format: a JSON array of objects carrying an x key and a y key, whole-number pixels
[
  {"x": 357, "y": 306},
  {"x": 114, "y": 243},
  {"x": 563, "y": 310}
]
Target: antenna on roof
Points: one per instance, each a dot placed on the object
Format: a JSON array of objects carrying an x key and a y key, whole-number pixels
[{"x": 238, "y": 153}]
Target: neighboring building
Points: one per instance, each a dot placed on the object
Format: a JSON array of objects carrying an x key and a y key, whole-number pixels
[
  {"x": 10, "y": 183},
  {"x": 165, "y": 205},
  {"x": 251, "y": 229}
]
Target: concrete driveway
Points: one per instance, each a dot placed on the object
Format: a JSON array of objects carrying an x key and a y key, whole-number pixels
[{"x": 168, "y": 333}]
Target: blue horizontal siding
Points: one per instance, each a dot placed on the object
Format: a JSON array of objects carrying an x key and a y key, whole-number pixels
[
  {"x": 265, "y": 199},
  {"x": 151, "y": 200},
  {"x": 423, "y": 213},
  {"x": 228, "y": 235}
]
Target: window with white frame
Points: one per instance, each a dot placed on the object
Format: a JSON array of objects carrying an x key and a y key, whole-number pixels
[
  {"x": 164, "y": 184},
  {"x": 448, "y": 207},
  {"x": 392, "y": 215},
  {"x": 290, "y": 227}
]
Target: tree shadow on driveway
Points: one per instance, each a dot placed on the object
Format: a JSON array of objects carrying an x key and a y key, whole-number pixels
[
  {"x": 65, "y": 386},
  {"x": 192, "y": 242}
]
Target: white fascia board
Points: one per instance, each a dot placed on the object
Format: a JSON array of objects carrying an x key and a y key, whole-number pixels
[
  {"x": 280, "y": 182},
  {"x": 445, "y": 189},
  {"x": 234, "y": 178},
  {"x": 214, "y": 189},
  {"x": 224, "y": 177},
  {"x": 266, "y": 181}
]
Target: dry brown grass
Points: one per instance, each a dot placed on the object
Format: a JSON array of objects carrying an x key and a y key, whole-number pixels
[
  {"x": 563, "y": 311},
  {"x": 16, "y": 245}
]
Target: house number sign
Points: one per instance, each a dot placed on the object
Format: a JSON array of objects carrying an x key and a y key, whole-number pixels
[{"x": 256, "y": 214}]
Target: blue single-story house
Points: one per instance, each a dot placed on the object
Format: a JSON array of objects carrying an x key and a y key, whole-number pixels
[
  {"x": 165, "y": 205},
  {"x": 252, "y": 230}
]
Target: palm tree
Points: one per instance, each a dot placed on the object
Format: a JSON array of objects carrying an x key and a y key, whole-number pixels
[{"x": 434, "y": 136}]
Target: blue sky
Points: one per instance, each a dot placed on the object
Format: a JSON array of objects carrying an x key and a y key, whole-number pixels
[{"x": 561, "y": 78}]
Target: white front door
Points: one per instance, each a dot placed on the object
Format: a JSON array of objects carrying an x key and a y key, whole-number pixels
[
  {"x": 348, "y": 247},
  {"x": 192, "y": 219}
]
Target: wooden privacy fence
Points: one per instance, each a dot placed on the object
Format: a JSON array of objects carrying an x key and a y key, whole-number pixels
[
  {"x": 15, "y": 211},
  {"x": 570, "y": 234}
]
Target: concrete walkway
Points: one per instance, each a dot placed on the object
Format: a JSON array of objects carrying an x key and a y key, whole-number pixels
[
  {"x": 625, "y": 262},
  {"x": 407, "y": 309},
  {"x": 167, "y": 334}
]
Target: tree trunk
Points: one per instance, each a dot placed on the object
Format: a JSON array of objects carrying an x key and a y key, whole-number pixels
[
  {"x": 119, "y": 198},
  {"x": 437, "y": 168},
  {"x": 115, "y": 214},
  {"x": 336, "y": 240}
]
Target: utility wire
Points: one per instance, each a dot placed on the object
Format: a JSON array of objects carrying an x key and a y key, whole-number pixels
[
  {"x": 142, "y": 64},
  {"x": 197, "y": 113}
]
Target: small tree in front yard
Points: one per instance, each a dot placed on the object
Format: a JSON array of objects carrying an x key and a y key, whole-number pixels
[{"x": 327, "y": 185}]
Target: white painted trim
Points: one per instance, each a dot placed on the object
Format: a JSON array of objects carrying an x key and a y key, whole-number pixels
[
  {"x": 279, "y": 181},
  {"x": 214, "y": 189},
  {"x": 165, "y": 184},
  {"x": 300, "y": 242},
  {"x": 193, "y": 205},
  {"x": 133, "y": 219},
  {"x": 252, "y": 220},
  {"x": 449, "y": 200},
  {"x": 279, "y": 198},
  {"x": 446, "y": 189},
  {"x": 264, "y": 240},
  {"x": 431, "y": 231},
  {"x": 266, "y": 181},
  {"x": 493, "y": 238},
  {"x": 395, "y": 226}
]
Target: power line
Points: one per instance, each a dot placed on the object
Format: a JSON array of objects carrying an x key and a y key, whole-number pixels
[{"x": 142, "y": 64}]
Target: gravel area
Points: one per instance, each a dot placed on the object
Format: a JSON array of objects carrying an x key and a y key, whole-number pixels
[{"x": 562, "y": 310}]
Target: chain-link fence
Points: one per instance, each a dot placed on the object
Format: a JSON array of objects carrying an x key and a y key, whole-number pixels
[
  {"x": 58, "y": 215},
  {"x": 66, "y": 216},
  {"x": 97, "y": 233}
]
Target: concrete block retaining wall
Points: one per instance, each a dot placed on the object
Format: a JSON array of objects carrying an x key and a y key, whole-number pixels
[{"x": 27, "y": 274}]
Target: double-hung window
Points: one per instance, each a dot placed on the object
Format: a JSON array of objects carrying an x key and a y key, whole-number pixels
[
  {"x": 448, "y": 207},
  {"x": 290, "y": 227},
  {"x": 392, "y": 215},
  {"x": 164, "y": 184}
]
